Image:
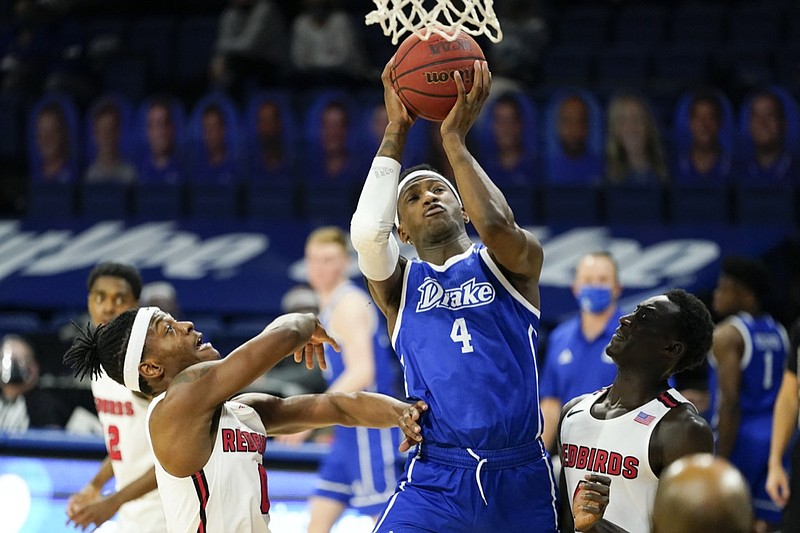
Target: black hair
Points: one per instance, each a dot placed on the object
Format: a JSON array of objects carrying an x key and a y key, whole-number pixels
[
  {"x": 767, "y": 93},
  {"x": 751, "y": 273},
  {"x": 106, "y": 106},
  {"x": 102, "y": 349},
  {"x": 117, "y": 270},
  {"x": 695, "y": 329}
]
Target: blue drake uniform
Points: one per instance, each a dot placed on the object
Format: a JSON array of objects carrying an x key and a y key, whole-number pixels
[
  {"x": 765, "y": 346},
  {"x": 466, "y": 339},
  {"x": 362, "y": 467}
]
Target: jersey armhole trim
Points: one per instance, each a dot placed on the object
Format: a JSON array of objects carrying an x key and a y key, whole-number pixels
[{"x": 484, "y": 252}]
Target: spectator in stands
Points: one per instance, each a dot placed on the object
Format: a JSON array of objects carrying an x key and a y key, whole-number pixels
[
  {"x": 54, "y": 149},
  {"x": 324, "y": 40},
  {"x": 109, "y": 164},
  {"x": 574, "y": 163},
  {"x": 270, "y": 157},
  {"x": 771, "y": 163},
  {"x": 634, "y": 153},
  {"x": 162, "y": 162},
  {"x": 509, "y": 161},
  {"x": 339, "y": 164},
  {"x": 161, "y": 294},
  {"x": 23, "y": 405},
  {"x": 705, "y": 162},
  {"x": 575, "y": 361},
  {"x": 217, "y": 162},
  {"x": 251, "y": 44}
]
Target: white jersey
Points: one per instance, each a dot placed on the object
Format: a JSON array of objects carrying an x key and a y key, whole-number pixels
[
  {"x": 230, "y": 492},
  {"x": 618, "y": 448},
  {"x": 123, "y": 416}
]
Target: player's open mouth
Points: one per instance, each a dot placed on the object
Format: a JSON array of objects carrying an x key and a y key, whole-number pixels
[{"x": 200, "y": 345}]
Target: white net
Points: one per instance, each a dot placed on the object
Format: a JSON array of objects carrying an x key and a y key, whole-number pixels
[{"x": 447, "y": 18}]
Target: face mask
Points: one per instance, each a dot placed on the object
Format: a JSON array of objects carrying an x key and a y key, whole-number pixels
[
  {"x": 12, "y": 372},
  {"x": 594, "y": 298}
]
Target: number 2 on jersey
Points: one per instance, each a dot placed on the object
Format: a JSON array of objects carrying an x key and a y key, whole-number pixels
[
  {"x": 113, "y": 444},
  {"x": 460, "y": 333}
]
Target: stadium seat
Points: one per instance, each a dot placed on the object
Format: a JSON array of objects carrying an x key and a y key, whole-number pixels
[
  {"x": 158, "y": 201},
  {"x": 586, "y": 24},
  {"x": 196, "y": 36},
  {"x": 698, "y": 23},
  {"x": 693, "y": 204},
  {"x": 232, "y": 170},
  {"x": 641, "y": 25},
  {"x": 104, "y": 201},
  {"x": 212, "y": 201},
  {"x": 790, "y": 108},
  {"x": 11, "y": 121},
  {"x": 19, "y": 322},
  {"x": 153, "y": 38},
  {"x": 272, "y": 201},
  {"x": 126, "y": 76},
  {"x": 51, "y": 201},
  {"x": 765, "y": 206},
  {"x": 632, "y": 204},
  {"x": 568, "y": 64},
  {"x": 74, "y": 137},
  {"x": 573, "y": 205},
  {"x": 679, "y": 66},
  {"x": 622, "y": 66}
]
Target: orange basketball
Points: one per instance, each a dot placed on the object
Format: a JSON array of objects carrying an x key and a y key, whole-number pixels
[{"x": 422, "y": 73}]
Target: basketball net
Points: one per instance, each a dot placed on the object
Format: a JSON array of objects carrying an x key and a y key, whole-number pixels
[{"x": 397, "y": 17}]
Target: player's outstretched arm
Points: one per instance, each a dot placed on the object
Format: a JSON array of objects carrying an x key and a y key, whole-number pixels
[
  {"x": 784, "y": 422},
  {"x": 514, "y": 248},
  {"x": 310, "y": 411}
]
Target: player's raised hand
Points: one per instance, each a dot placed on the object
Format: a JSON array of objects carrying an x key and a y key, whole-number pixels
[
  {"x": 315, "y": 347},
  {"x": 395, "y": 109},
  {"x": 590, "y": 501},
  {"x": 408, "y": 423},
  {"x": 468, "y": 104}
]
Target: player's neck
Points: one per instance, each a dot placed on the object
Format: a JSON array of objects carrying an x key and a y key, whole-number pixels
[
  {"x": 438, "y": 253},
  {"x": 324, "y": 294},
  {"x": 633, "y": 389}
]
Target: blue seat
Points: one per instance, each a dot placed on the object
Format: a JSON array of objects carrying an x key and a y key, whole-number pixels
[
  {"x": 213, "y": 201},
  {"x": 126, "y": 113},
  {"x": 195, "y": 45},
  {"x": 631, "y": 204},
  {"x": 104, "y": 201},
  {"x": 698, "y": 23},
  {"x": 153, "y": 38},
  {"x": 158, "y": 201},
  {"x": 699, "y": 204},
  {"x": 572, "y": 205},
  {"x": 567, "y": 65},
  {"x": 680, "y": 122},
  {"x": 583, "y": 24},
  {"x": 126, "y": 76},
  {"x": 11, "y": 121},
  {"x": 765, "y": 206},
  {"x": 623, "y": 66},
  {"x": 272, "y": 201},
  {"x": 680, "y": 65},
  {"x": 755, "y": 22},
  {"x": 281, "y": 102},
  {"x": 641, "y": 25},
  {"x": 329, "y": 204},
  {"x": 49, "y": 201},
  {"x": 176, "y": 172}
]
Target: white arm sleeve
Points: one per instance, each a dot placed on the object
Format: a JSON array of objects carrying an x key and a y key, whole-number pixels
[{"x": 372, "y": 223}]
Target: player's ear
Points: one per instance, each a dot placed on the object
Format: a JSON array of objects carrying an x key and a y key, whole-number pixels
[
  {"x": 464, "y": 215},
  {"x": 150, "y": 369},
  {"x": 675, "y": 349},
  {"x": 404, "y": 237}
]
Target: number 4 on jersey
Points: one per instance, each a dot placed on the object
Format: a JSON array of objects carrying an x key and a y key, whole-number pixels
[{"x": 460, "y": 333}]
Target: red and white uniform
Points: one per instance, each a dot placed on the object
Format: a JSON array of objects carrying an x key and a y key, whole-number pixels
[
  {"x": 617, "y": 448},
  {"x": 230, "y": 492},
  {"x": 123, "y": 417}
]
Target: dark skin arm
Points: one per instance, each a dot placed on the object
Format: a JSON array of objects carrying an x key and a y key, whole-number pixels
[
  {"x": 195, "y": 394},
  {"x": 311, "y": 411},
  {"x": 103, "y": 508},
  {"x": 728, "y": 348},
  {"x": 517, "y": 250},
  {"x": 681, "y": 432}
]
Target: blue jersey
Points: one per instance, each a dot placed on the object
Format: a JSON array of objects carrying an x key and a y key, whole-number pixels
[
  {"x": 575, "y": 365},
  {"x": 467, "y": 341},
  {"x": 386, "y": 374},
  {"x": 765, "y": 347}
]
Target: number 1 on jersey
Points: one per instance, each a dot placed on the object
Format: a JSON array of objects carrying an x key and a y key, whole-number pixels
[{"x": 460, "y": 333}]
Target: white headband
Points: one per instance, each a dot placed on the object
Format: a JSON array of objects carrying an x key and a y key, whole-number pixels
[
  {"x": 133, "y": 355},
  {"x": 424, "y": 173}
]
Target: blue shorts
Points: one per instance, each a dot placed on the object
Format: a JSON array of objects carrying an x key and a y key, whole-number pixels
[
  {"x": 751, "y": 456},
  {"x": 454, "y": 490},
  {"x": 362, "y": 468}
]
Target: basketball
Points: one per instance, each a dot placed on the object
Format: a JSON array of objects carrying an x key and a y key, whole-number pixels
[{"x": 422, "y": 73}]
